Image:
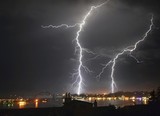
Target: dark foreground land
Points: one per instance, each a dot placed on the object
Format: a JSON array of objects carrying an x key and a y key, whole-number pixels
[{"x": 137, "y": 110}]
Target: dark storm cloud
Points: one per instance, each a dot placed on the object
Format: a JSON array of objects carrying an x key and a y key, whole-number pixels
[
  {"x": 132, "y": 20},
  {"x": 31, "y": 57},
  {"x": 152, "y": 5},
  {"x": 37, "y": 59}
]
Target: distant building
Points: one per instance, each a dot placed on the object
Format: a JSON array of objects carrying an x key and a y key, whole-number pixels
[
  {"x": 68, "y": 99},
  {"x": 76, "y": 104}
]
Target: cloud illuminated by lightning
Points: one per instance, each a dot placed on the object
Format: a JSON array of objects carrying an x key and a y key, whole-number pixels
[
  {"x": 79, "y": 48},
  {"x": 129, "y": 50}
]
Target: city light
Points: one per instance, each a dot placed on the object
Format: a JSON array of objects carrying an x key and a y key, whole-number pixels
[{"x": 22, "y": 104}]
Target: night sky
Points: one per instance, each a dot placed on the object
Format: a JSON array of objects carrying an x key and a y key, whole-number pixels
[{"x": 34, "y": 59}]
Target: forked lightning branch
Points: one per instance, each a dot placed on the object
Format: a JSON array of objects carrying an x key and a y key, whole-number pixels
[
  {"x": 78, "y": 75},
  {"x": 79, "y": 79}
]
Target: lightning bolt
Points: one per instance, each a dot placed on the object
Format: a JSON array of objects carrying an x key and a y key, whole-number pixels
[
  {"x": 129, "y": 50},
  {"x": 62, "y": 25},
  {"x": 79, "y": 78},
  {"x": 105, "y": 66}
]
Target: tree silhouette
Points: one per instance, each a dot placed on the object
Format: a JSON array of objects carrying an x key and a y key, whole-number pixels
[
  {"x": 154, "y": 96},
  {"x": 158, "y": 95}
]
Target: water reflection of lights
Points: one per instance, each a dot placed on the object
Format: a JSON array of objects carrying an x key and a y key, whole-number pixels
[
  {"x": 133, "y": 98},
  {"x": 22, "y": 104},
  {"x": 145, "y": 101},
  {"x": 99, "y": 98},
  {"x": 104, "y": 98},
  {"x": 126, "y": 98},
  {"x": 109, "y": 98},
  {"x": 139, "y": 98},
  {"x": 89, "y": 98},
  {"x": 36, "y": 103}
]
